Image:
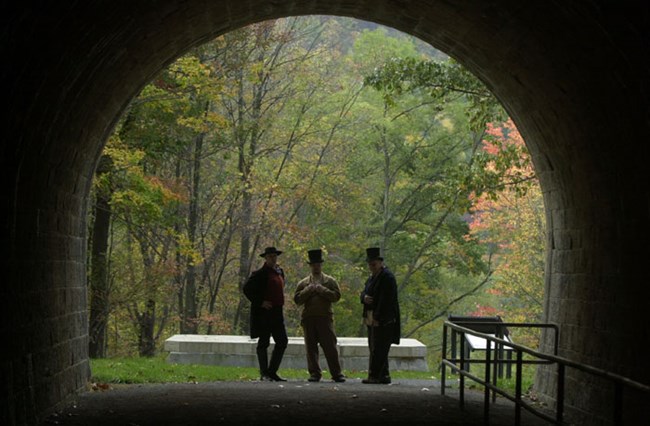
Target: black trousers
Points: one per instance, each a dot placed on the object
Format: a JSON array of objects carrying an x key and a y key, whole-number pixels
[
  {"x": 272, "y": 324},
  {"x": 379, "y": 341}
]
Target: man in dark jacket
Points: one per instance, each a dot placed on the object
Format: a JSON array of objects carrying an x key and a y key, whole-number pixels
[
  {"x": 265, "y": 289},
  {"x": 381, "y": 315}
]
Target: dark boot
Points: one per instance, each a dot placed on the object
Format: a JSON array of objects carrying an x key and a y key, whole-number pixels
[
  {"x": 274, "y": 365},
  {"x": 263, "y": 360}
]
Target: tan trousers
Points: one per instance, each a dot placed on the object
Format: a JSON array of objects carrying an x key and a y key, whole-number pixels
[{"x": 320, "y": 330}]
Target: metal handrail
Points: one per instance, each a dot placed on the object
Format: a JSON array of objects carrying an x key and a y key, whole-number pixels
[
  {"x": 499, "y": 327},
  {"x": 619, "y": 381}
]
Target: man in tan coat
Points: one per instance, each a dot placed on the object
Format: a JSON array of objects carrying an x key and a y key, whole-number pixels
[{"x": 316, "y": 293}]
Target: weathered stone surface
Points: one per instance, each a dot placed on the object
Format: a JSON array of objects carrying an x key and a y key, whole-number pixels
[{"x": 239, "y": 351}]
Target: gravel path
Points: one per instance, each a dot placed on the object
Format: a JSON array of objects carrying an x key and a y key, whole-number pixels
[{"x": 405, "y": 402}]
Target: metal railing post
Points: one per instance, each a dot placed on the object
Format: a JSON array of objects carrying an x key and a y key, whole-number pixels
[
  {"x": 621, "y": 383},
  {"x": 496, "y": 369},
  {"x": 443, "y": 367},
  {"x": 559, "y": 415},
  {"x": 486, "y": 403},
  {"x": 518, "y": 375},
  {"x": 462, "y": 376},
  {"x": 498, "y": 356},
  {"x": 618, "y": 404}
]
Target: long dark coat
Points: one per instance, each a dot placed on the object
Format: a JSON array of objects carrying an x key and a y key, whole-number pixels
[
  {"x": 385, "y": 305},
  {"x": 254, "y": 290}
]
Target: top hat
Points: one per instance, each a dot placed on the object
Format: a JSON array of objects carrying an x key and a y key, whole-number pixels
[
  {"x": 270, "y": 250},
  {"x": 372, "y": 253},
  {"x": 315, "y": 256}
]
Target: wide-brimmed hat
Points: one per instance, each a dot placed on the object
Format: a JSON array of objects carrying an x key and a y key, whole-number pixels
[
  {"x": 373, "y": 253},
  {"x": 270, "y": 250},
  {"x": 315, "y": 256}
]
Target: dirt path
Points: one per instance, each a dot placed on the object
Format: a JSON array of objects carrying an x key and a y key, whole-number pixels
[{"x": 406, "y": 402}]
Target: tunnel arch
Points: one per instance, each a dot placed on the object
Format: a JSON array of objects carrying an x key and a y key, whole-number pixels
[{"x": 572, "y": 77}]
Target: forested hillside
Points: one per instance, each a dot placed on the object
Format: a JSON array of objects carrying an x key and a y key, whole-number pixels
[{"x": 310, "y": 132}]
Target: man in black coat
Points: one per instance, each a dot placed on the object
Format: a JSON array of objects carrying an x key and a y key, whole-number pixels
[
  {"x": 265, "y": 290},
  {"x": 381, "y": 315}
]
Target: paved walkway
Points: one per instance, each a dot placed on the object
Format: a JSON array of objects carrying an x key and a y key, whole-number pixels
[{"x": 405, "y": 402}]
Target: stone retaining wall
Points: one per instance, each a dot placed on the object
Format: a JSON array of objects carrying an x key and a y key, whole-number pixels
[{"x": 239, "y": 351}]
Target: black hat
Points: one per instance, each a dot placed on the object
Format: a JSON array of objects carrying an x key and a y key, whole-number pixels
[
  {"x": 315, "y": 256},
  {"x": 270, "y": 250},
  {"x": 372, "y": 253}
]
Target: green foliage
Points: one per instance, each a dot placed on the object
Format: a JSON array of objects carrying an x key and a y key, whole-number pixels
[
  {"x": 299, "y": 134},
  {"x": 373, "y": 47},
  {"x": 445, "y": 81},
  {"x": 135, "y": 195}
]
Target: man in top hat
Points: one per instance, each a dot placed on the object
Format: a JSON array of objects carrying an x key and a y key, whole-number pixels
[
  {"x": 381, "y": 315},
  {"x": 265, "y": 290},
  {"x": 316, "y": 293}
]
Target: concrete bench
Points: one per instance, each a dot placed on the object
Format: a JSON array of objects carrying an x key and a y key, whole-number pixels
[{"x": 239, "y": 351}]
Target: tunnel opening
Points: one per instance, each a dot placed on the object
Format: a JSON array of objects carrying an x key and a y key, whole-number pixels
[
  {"x": 339, "y": 167},
  {"x": 568, "y": 104}
]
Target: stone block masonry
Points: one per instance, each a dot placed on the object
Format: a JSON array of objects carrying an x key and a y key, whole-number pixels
[{"x": 239, "y": 351}]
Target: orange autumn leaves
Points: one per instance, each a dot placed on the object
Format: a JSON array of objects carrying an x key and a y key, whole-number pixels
[{"x": 512, "y": 224}]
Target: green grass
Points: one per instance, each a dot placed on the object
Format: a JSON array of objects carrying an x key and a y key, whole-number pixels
[
  {"x": 509, "y": 385},
  {"x": 157, "y": 370}
]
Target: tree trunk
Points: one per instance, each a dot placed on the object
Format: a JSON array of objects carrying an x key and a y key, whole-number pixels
[
  {"x": 242, "y": 320},
  {"x": 147, "y": 320},
  {"x": 191, "y": 324},
  {"x": 246, "y": 159},
  {"x": 178, "y": 259},
  {"x": 386, "y": 194},
  {"x": 99, "y": 282}
]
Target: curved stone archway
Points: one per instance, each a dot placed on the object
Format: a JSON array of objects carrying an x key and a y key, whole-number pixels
[{"x": 572, "y": 76}]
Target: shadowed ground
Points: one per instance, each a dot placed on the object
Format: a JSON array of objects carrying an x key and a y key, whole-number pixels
[{"x": 407, "y": 402}]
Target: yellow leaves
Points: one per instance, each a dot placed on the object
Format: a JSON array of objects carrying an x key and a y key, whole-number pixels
[
  {"x": 153, "y": 90},
  {"x": 255, "y": 72},
  {"x": 197, "y": 124},
  {"x": 135, "y": 193},
  {"x": 168, "y": 195},
  {"x": 217, "y": 120},
  {"x": 121, "y": 155},
  {"x": 190, "y": 72},
  {"x": 411, "y": 139},
  {"x": 187, "y": 250},
  {"x": 446, "y": 123}
]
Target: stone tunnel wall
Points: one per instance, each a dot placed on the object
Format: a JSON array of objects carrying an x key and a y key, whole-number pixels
[{"x": 572, "y": 76}]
